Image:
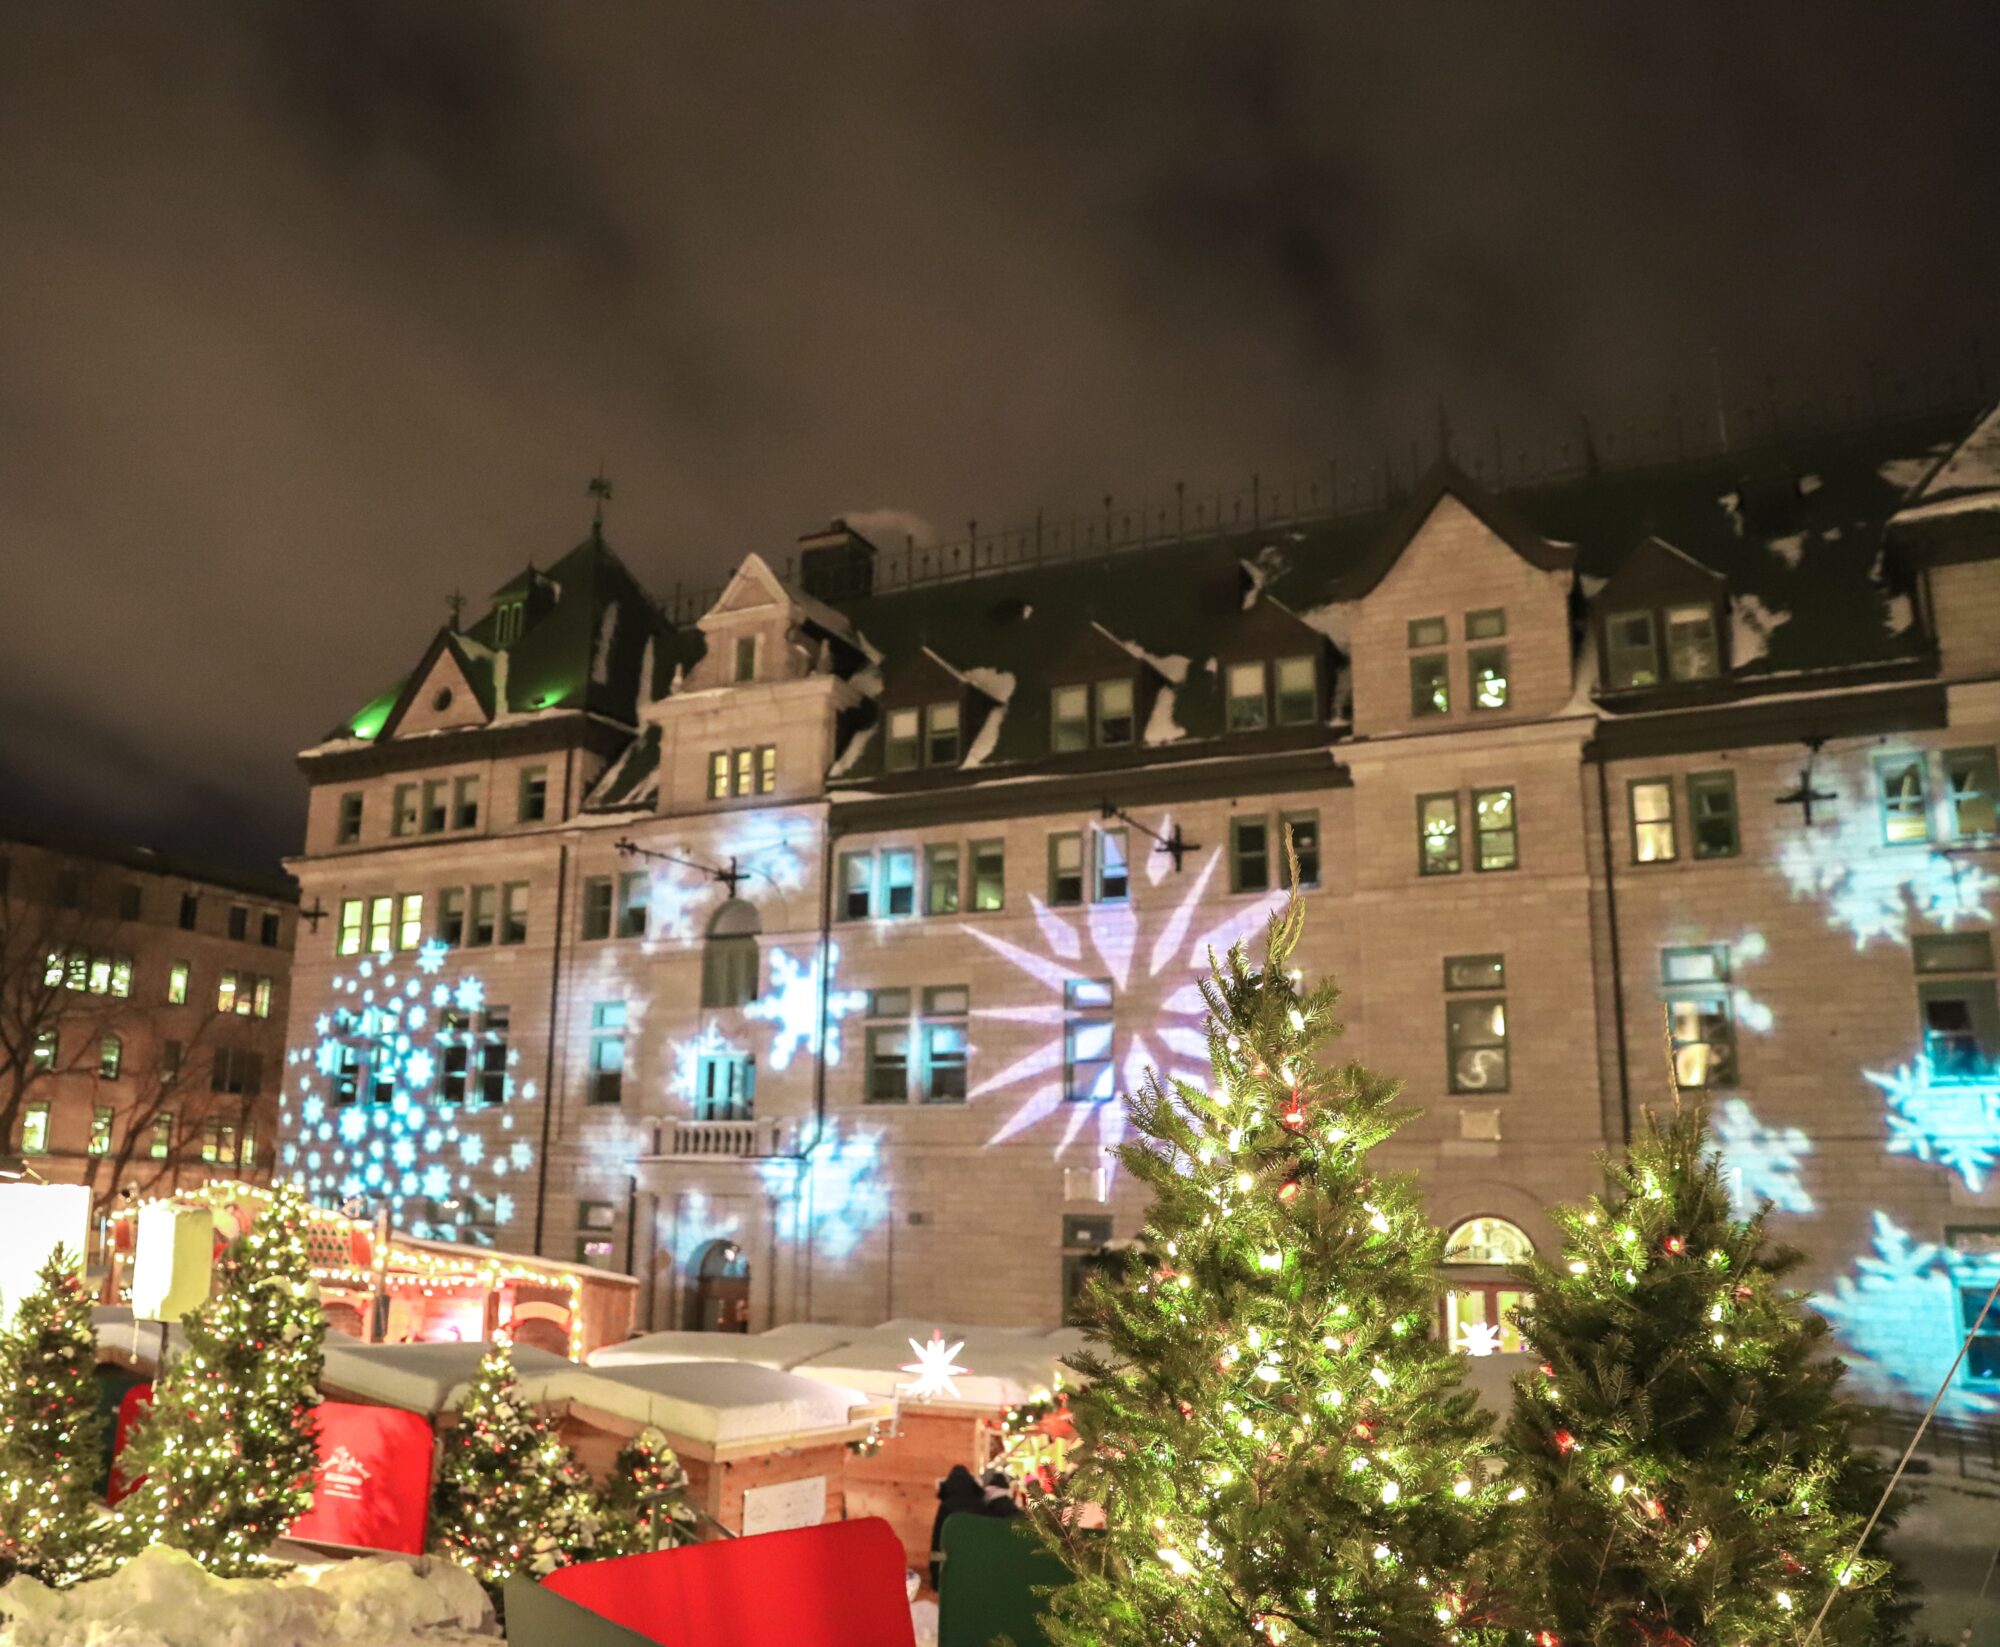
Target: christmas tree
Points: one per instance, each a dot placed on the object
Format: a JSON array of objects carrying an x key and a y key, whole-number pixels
[
  {"x": 51, "y": 1433},
  {"x": 1275, "y": 1438},
  {"x": 229, "y": 1446},
  {"x": 1687, "y": 1461},
  {"x": 645, "y": 1501},
  {"x": 509, "y": 1498}
]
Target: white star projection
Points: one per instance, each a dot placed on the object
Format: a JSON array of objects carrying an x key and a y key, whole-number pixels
[
  {"x": 1154, "y": 1009},
  {"x": 1479, "y": 1338},
  {"x": 399, "y": 1141},
  {"x": 936, "y": 1366}
]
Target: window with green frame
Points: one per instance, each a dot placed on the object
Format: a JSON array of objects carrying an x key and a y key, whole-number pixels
[
  {"x": 1712, "y": 814},
  {"x": 1437, "y": 834},
  {"x": 1972, "y": 779},
  {"x": 1303, "y": 830},
  {"x": 989, "y": 875},
  {"x": 1906, "y": 814},
  {"x": 1493, "y": 820},
  {"x": 1486, "y": 669},
  {"x": 35, "y": 1127},
  {"x": 1066, "y": 867},
  {"x": 1652, "y": 804},
  {"x": 1475, "y": 1023},
  {"x": 1249, "y": 854},
  {"x": 1430, "y": 685},
  {"x": 941, "y": 878},
  {"x": 1701, "y": 1025}
]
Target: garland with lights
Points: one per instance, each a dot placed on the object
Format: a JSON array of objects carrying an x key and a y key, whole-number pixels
[
  {"x": 51, "y": 1434},
  {"x": 1276, "y": 1441},
  {"x": 645, "y": 1502},
  {"x": 229, "y": 1446},
  {"x": 1689, "y": 1467},
  {"x": 509, "y": 1497}
]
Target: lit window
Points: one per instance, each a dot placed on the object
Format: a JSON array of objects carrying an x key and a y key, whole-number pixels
[
  {"x": 1298, "y": 691},
  {"x": 1463, "y": 972},
  {"x": 900, "y": 753},
  {"x": 635, "y": 892},
  {"x": 161, "y": 1144},
  {"x": 1089, "y": 1074},
  {"x": 1692, "y": 654},
  {"x": 1712, "y": 814},
  {"x": 1437, "y": 834},
  {"x": 725, "y": 1086},
  {"x": 1480, "y": 1313},
  {"x": 44, "y": 1057},
  {"x": 1974, "y": 781},
  {"x": 1475, "y": 1033},
  {"x": 1069, "y": 719},
  {"x": 350, "y": 931},
  {"x": 1982, "y": 1328},
  {"x": 1066, "y": 868},
  {"x": 1493, "y": 825},
  {"x": 177, "y": 979},
  {"x": 746, "y": 771},
  {"x": 533, "y": 803},
  {"x": 1631, "y": 654},
  {"x": 1704, "y": 1039},
  {"x": 410, "y": 925},
  {"x": 941, "y": 735},
  {"x": 1247, "y": 708},
  {"x": 941, "y": 878},
  {"x": 989, "y": 875},
  {"x": 225, "y": 993},
  {"x": 767, "y": 769},
  {"x": 1906, "y": 818},
  {"x": 607, "y": 1052},
  {"x": 1114, "y": 879},
  {"x": 1114, "y": 712},
  {"x": 899, "y": 882},
  {"x": 1249, "y": 854},
  {"x": 260, "y": 999},
  {"x": 1303, "y": 831},
  {"x": 944, "y": 1043},
  {"x": 514, "y": 913},
  {"x": 381, "y": 925},
  {"x": 246, "y": 1154},
  {"x": 101, "y": 1119},
  {"x": 1430, "y": 685},
  {"x": 350, "y": 818},
  {"x": 718, "y": 774},
  {"x": 597, "y": 896},
  {"x": 1652, "y": 802},
  {"x": 1490, "y": 624},
  {"x": 35, "y": 1127},
  {"x": 1428, "y": 632},
  {"x": 857, "y": 885},
  {"x": 1487, "y": 667}
]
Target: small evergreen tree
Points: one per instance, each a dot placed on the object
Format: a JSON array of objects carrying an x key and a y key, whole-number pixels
[
  {"x": 51, "y": 1433},
  {"x": 1275, "y": 1437},
  {"x": 509, "y": 1498},
  {"x": 230, "y": 1444},
  {"x": 645, "y": 1501},
  {"x": 1689, "y": 1467}
]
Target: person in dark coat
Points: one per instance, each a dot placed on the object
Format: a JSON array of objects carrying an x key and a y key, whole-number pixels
[
  {"x": 999, "y": 1496},
  {"x": 958, "y": 1492}
]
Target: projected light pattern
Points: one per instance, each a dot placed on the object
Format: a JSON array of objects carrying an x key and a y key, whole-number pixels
[
  {"x": 839, "y": 1188},
  {"x": 688, "y": 1227},
  {"x": 1750, "y": 1012},
  {"x": 1760, "y": 1163},
  {"x": 1155, "y": 1009},
  {"x": 792, "y": 1006},
  {"x": 1902, "y": 1315},
  {"x": 400, "y": 1141},
  {"x": 689, "y": 1055},
  {"x": 1952, "y": 1122}
]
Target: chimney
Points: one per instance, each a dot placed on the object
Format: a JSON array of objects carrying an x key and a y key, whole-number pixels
[{"x": 836, "y": 564}]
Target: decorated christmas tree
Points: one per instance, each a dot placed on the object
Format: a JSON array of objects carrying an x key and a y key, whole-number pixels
[
  {"x": 51, "y": 1433},
  {"x": 509, "y": 1498},
  {"x": 229, "y": 1446},
  {"x": 645, "y": 1500},
  {"x": 1689, "y": 1466},
  {"x": 1273, "y": 1435}
]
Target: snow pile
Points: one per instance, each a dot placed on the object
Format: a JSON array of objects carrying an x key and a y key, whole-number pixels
[
  {"x": 1751, "y": 626},
  {"x": 850, "y": 757},
  {"x": 1898, "y": 614},
  {"x": 1903, "y": 473},
  {"x": 998, "y": 685},
  {"x": 600, "y": 657},
  {"x": 1161, "y": 726},
  {"x": 164, "y": 1598},
  {"x": 1790, "y": 549}
]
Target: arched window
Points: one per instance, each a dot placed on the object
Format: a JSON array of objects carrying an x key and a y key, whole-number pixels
[
  {"x": 718, "y": 1295},
  {"x": 729, "y": 963},
  {"x": 1480, "y": 1310}
]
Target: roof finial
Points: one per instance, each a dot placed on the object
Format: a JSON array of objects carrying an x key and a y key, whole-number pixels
[
  {"x": 600, "y": 491},
  {"x": 455, "y": 605}
]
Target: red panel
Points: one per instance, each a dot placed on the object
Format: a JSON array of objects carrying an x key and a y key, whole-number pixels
[
  {"x": 373, "y": 1485},
  {"x": 131, "y": 1408},
  {"x": 836, "y": 1585}
]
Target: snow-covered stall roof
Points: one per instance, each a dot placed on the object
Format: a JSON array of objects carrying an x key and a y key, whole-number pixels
[
  {"x": 719, "y": 1402},
  {"x": 1004, "y": 1366},
  {"x": 782, "y": 1347},
  {"x": 428, "y": 1378}
]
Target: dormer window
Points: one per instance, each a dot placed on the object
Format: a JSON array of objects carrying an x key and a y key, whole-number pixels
[
  {"x": 900, "y": 753},
  {"x": 1101, "y": 713},
  {"x": 746, "y": 658},
  {"x": 1249, "y": 708},
  {"x": 1632, "y": 649},
  {"x": 941, "y": 740},
  {"x": 1254, "y": 690},
  {"x": 1114, "y": 712},
  {"x": 1069, "y": 719},
  {"x": 509, "y": 618},
  {"x": 927, "y": 736},
  {"x": 1297, "y": 694}
]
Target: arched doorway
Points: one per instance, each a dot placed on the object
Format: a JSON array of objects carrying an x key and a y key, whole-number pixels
[
  {"x": 718, "y": 1295},
  {"x": 1482, "y": 1295}
]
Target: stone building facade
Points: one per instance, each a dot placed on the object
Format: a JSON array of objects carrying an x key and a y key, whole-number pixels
[
  {"x": 794, "y": 959},
  {"x": 143, "y": 1006}
]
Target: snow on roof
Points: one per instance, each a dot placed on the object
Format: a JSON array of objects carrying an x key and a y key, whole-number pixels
[
  {"x": 1751, "y": 623},
  {"x": 1004, "y": 1366},
  {"x": 1974, "y": 465},
  {"x": 718, "y": 1402},
  {"x": 997, "y": 684},
  {"x": 782, "y": 1347},
  {"x": 427, "y": 1378}
]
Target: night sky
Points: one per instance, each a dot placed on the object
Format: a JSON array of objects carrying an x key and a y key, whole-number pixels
[{"x": 311, "y": 314}]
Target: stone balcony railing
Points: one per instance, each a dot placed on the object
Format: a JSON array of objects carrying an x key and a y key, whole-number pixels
[{"x": 722, "y": 1140}]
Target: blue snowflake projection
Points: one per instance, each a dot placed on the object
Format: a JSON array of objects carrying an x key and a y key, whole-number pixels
[
  {"x": 792, "y": 1006},
  {"x": 1760, "y": 1163},
  {"x": 688, "y": 1057},
  {"x": 1152, "y": 960},
  {"x": 1952, "y": 1122},
  {"x": 1751, "y": 1013},
  {"x": 1874, "y": 889},
  {"x": 399, "y": 1143},
  {"x": 1901, "y": 1312},
  {"x": 839, "y": 1189}
]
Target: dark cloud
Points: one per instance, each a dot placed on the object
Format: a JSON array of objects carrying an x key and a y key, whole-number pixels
[{"x": 310, "y": 314}]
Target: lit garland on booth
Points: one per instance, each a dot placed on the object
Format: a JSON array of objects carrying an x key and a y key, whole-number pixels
[
  {"x": 228, "y": 1447},
  {"x": 1689, "y": 1469},
  {"x": 1279, "y": 1446},
  {"x": 51, "y": 1433}
]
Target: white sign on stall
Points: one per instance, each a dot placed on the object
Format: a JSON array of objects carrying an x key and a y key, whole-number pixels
[
  {"x": 175, "y": 1251},
  {"x": 784, "y": 1505},
  {"x": 35, "y": 1219}
]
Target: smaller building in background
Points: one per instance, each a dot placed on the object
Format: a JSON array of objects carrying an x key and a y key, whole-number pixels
[{"x": 142, "y": 1016}]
